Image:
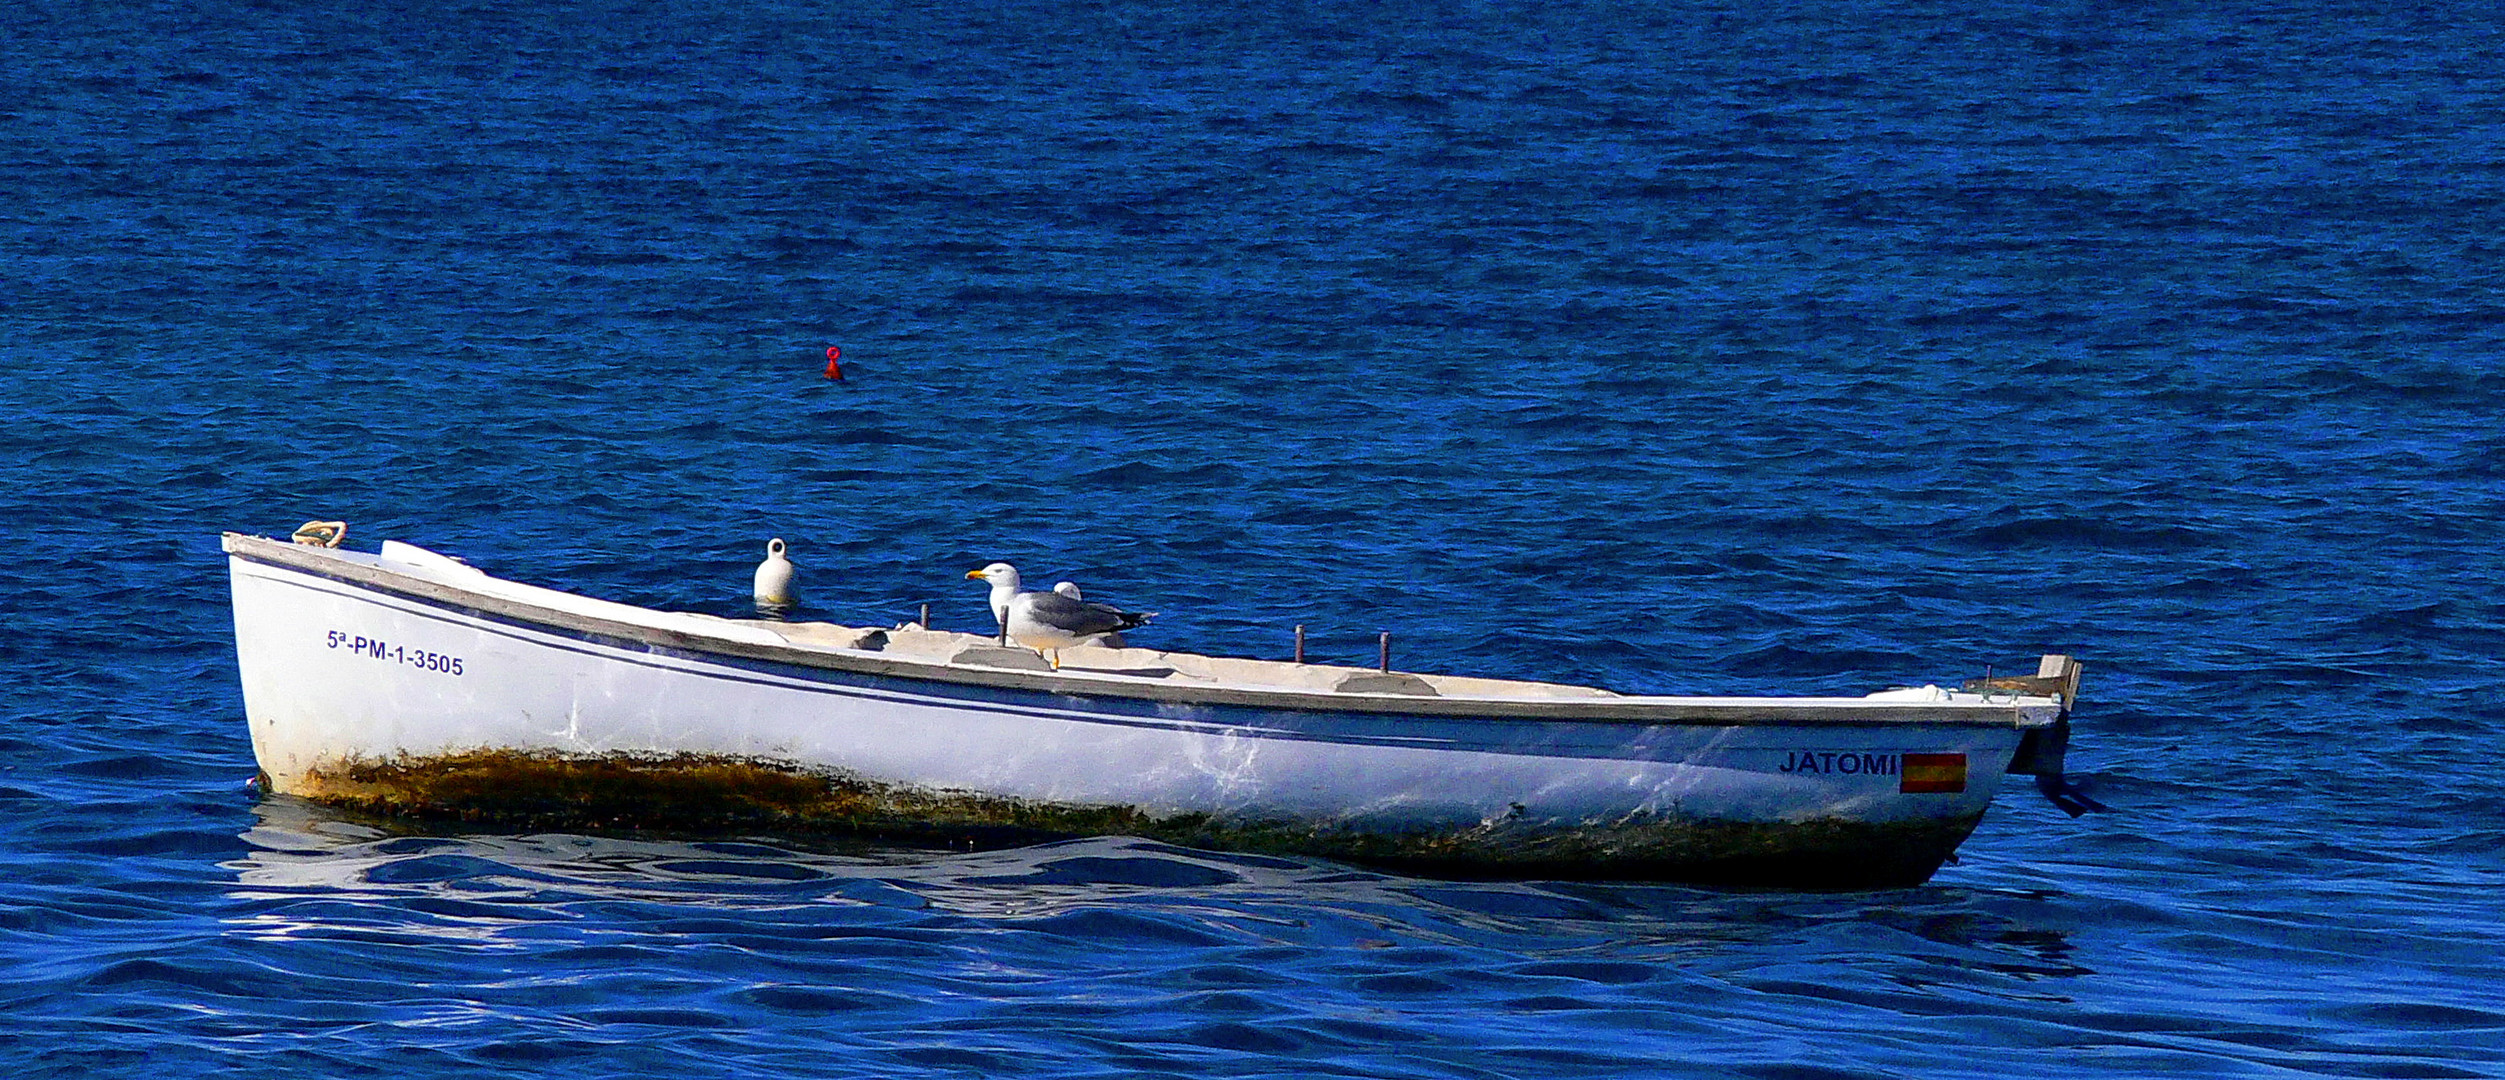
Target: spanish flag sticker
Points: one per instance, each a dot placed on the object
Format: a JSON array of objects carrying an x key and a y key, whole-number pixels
[{"x": 1932, "y": 773}]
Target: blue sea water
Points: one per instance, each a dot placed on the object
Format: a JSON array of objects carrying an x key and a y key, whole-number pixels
[{"x": 1700, "y": 347}]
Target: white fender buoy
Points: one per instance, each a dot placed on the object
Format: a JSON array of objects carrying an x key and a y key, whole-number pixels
[{"x": 774, "y": 577}]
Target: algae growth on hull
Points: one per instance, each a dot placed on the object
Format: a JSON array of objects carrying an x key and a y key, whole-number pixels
[{"x": 693, "y": 793}]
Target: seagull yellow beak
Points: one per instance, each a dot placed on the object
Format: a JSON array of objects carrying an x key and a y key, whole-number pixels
[{"x": 973, "y": 573}]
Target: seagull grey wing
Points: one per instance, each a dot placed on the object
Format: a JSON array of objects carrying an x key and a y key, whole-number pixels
[
  {"x": 1124, "y": 620},
  {"x": 1075, "y": 617}
]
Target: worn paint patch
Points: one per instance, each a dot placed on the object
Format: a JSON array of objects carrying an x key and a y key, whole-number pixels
[{"x": 689, "y": 793}]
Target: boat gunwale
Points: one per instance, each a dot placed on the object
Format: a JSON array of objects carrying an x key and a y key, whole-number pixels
[{"x": 2022, "y": 712}]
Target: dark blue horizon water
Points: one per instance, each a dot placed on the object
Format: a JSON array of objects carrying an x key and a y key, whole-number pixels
[{"x": 1678, "y": 348}]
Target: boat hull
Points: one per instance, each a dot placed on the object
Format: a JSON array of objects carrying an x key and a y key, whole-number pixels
[{"x": 424, "y": 698}]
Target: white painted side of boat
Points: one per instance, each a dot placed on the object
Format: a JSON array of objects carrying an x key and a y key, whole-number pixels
[{"x": 335, "y": 672}]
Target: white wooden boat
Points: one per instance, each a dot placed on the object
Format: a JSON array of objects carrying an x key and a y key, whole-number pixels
[{"x": 409, "y": 682}]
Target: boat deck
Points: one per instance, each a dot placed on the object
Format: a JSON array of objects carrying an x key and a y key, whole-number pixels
[{"x": 911, "y": 642}]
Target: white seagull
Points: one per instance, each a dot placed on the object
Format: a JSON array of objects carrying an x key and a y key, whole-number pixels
[
  {"x": 1049, "y": 622},
  {"x": 774, "y": 577}
]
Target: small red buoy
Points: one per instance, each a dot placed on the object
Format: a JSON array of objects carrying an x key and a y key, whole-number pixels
[{"x": 835, "y": 363}]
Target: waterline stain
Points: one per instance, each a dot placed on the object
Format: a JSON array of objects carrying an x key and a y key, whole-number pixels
[{"x": 699, "y": 793}]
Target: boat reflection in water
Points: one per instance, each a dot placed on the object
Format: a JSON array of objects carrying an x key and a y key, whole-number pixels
[{"x": 855, "y": 911}]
